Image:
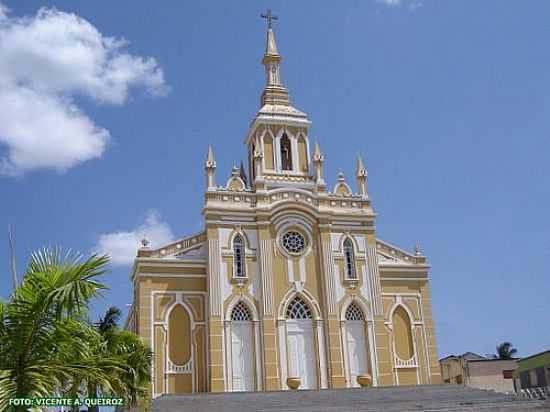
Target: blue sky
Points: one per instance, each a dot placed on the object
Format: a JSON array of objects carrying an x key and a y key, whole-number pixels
[{"x": 448, "y": 102}]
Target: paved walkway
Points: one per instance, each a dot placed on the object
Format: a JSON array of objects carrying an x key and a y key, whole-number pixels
[{"x": 433, "y": 398}]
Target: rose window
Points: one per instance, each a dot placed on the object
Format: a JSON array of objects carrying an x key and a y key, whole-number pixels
[{"x": 294, "y": 242}]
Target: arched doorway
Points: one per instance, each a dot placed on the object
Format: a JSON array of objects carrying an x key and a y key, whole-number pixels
[
  {"x": 302, "y": 351},
  {"x": 356, "y": 344},
  {"x": 242, "y": 352}
]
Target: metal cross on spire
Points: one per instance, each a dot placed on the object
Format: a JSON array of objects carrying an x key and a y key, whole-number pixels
[{"x": 269, "y": 17}]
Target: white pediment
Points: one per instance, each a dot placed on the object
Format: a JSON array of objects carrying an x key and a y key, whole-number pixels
[
  {"x": 392, "y": 255},
  {"x": 195, "y": 253}
]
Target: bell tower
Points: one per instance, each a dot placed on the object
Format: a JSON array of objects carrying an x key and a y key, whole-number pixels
[{"x": 277, "y": 140}]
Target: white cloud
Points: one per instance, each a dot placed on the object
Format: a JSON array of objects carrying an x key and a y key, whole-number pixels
[
  {"x": 390, "y": 3},
  {"x": 413, "y": 4},
  {"x": 3, "y": 11},
  {"x": 122, "y": 246},
  {"x": 46, "y": 61}
]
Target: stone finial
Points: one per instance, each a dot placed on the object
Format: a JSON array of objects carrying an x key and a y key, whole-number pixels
[
  {"x": 235, "y": 170},
  {"x": 417, "y": 250},
  {"x": 210, "y": 161},
  {"x": 317, "y": 155},
  {"x": 361, "y": 176},
  {"x": 258, "y": 169},
  {"x": 340, "y": 177},
  {"x": 210, "y": 166},
  {"x": 318, "y": 159},
  {"x": 361, "y": 170},
  {"x": 144, "y": 250}
]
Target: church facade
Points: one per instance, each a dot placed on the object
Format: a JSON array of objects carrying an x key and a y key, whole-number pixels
[{"x": 288, "y": 278}]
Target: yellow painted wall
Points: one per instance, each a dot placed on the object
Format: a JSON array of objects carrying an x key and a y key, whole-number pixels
[{"x": 179, "y": 335}]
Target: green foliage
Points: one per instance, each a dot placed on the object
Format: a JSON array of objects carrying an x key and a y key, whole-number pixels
[
  {"x": 47, "y": 346},
  {"x": 505, "y": 351}
]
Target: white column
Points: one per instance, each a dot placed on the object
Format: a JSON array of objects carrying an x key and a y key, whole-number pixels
[
  {"x": 295, "y": 156},
  {"x": 214, "y": 259},
  {"x": 281, "y": 329},
  {"x": 372, "y": 352},
  {"x": 228, "y": 369},
  {"x": 259, "y": 355},
  {"x": 266, "y": 276},
  {"x": 322, "y": 354},
  {"x": 328, "y": 261}
]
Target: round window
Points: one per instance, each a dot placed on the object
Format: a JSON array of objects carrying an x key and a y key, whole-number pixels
[{"x": 294, "y": 242}]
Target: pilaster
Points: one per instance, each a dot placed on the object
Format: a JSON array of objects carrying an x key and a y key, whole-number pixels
[
  {"x": 268, "y": 326},
  {"x": 215, "y": 326},
  {"x": 336, "y": 378}
]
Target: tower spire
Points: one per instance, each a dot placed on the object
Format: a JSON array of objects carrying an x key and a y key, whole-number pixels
[{"x": 274, "y": 93}]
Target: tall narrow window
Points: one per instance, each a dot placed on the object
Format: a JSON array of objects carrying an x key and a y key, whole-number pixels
[
  {"x": 286, "y": 153},
  {"x": 238, "y": 257},
  {"x": 349, "y": 257}
]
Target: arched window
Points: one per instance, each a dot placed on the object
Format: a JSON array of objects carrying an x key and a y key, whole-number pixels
[
  {"x": 240, "y": 312},
  {"x": 286, "y": 153},
  {"x": 354, "y": 312},
  {"x": 349, "y": 257},
  {"x": 298, "y": 309},
  {"x": 239, "y": 266}
]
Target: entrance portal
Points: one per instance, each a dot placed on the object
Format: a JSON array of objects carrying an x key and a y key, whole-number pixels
[{"x": 301, "y": 345}]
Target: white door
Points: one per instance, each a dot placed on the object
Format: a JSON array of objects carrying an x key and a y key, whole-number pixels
[
  {"x": 301, "y": 353},
  {"x": 242, "y": 359},
  {"x": 357, "y": 350}
]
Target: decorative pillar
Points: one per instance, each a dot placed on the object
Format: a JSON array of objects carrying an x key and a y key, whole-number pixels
[
  {"x": 269, "y": 333},
  {"x": 259, "y": 181},
  {"x": 361, "y": 175},
  {"x": 216, "y": 339},
  {"x": 210, "y": 167},
  {"x": 318, "y": 160},
  {"x": 259, "y": 354},
  {"x": 336, "y": 378}
]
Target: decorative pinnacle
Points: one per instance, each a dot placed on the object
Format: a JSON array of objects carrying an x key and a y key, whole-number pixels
[
  {"x": 361, "y": 171},
  {"x": 417, "y": 251},
  {"x": 144, "y": 242},
  {"x": 341, "y": 176},
  {"x": 317, "y": 155},
  {"x": 210, "y": 162},
  {"x": 235, "y": 170}
]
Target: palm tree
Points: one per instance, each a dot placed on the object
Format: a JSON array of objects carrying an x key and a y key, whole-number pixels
[
  {"x": 109, "y": 321},
  {"x": 43, "y": 337},
  {"x": 134, "y": 357},
  {"x": 505, "y": 351},
  {"x": 47, "y": 345}
]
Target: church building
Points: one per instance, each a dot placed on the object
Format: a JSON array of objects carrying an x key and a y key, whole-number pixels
[{"x": 288, "y": 279}]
